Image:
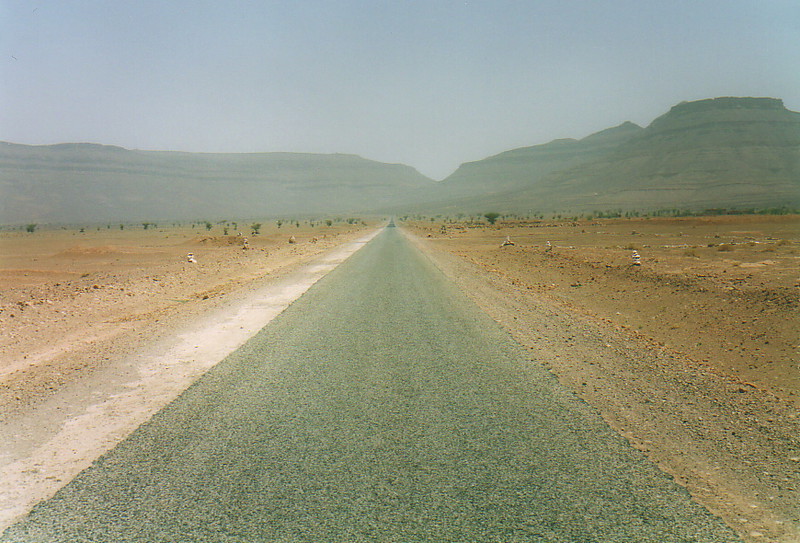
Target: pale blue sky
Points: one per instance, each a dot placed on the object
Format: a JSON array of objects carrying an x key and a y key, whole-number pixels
[{"x": 428, "y": 83}]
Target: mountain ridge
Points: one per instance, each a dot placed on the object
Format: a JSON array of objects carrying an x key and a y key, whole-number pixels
[
  {"x": 721, "y": 152},
  {"x": 69, "y": 182},
  {"x": 726, "y": 152},
  {"x": 520, "y": 166}
]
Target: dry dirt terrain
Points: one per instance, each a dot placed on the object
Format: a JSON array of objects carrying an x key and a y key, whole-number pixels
[
  {"x": 692, "y": 355},
  {"x": 70, "y": 300}
]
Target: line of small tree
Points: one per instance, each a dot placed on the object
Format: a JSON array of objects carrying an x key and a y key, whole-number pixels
[
  {"x": 491, "y": 217},
  {"x": 677, "y": 212}
]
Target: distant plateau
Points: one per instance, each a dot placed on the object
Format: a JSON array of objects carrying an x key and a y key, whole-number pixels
[{"x": 719, "y": 153}]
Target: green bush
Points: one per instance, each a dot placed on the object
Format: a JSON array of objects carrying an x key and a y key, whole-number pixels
[{"x": 491, "y": 216}]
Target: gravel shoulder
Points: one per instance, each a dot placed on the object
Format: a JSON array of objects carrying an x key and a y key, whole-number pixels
[
  {"x": 86, "y": 361},
  {"x": 727, "y": 432},
  {"x": 71, "y": 302}
]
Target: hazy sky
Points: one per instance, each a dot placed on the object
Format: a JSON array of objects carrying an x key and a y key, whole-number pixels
[{"x": 428, "y": 83}]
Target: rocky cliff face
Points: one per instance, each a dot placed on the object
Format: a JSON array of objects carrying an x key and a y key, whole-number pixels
[
  {"x": 728, "y": 121},
  {"x": 723, "y": 152}
]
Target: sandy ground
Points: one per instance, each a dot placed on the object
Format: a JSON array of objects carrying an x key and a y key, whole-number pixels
[
  {"x": 101, "y": 334},
  {"x": 693, "y": 355},
  {"x": 64, "y": 292}
]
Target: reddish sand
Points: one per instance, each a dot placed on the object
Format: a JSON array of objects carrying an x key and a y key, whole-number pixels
[{"x": 692, "y": 355}]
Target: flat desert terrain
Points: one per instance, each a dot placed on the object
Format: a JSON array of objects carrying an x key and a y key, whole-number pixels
[
  {"x": 692, "y": 355},
  {"x": 71, "y": 300}
]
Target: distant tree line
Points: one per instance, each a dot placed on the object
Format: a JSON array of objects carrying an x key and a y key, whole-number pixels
[{"x": 492, "y": 216}]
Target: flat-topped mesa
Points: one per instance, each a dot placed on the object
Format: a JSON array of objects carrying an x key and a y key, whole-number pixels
[
  {"x": 729, "y": 152},
  {"x": 727, "y": 102},
  {"x": 721, "y": 111}
]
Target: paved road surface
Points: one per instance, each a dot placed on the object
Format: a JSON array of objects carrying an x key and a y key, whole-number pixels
[{"x": 381, "y": 406}]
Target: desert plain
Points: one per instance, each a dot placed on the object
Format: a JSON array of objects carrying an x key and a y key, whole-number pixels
[
  {"x": 70, "y": 297},
  {"x": 691, "y": 355}
]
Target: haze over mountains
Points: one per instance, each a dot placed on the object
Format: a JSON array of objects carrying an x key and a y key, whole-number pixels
[
  {"x": 97, "y": 183},
  {"x": 716, "y": 153},
  {"x": 523, "y": 168}
]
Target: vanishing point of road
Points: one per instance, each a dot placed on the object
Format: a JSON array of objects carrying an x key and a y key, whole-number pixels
[{"x": 381, "y": 406}]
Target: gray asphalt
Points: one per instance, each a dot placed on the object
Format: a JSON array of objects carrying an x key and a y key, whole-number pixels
[{"x": 380, "y": 406}]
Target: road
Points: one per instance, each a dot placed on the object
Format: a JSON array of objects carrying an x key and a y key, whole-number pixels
[{"x": 380, "y": 406}]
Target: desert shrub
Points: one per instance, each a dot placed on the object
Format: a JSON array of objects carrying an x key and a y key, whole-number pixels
[
  {"x": 631, "y": 247},
  {"x": 725, "y": 248},
  {"x": 30, "y": 228},
  {"x": 783, "y": 242},
  {"x": 491, "y": 216},
  {"x": 777, "y": 211},
  {"x": 691, "y": 253}
]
